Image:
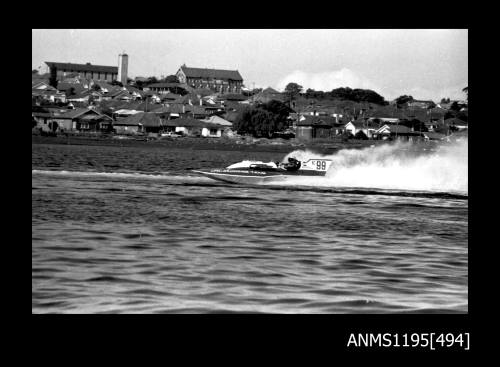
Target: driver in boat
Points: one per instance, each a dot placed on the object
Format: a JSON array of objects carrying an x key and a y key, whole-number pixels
[{"x": 292, "y": 165}]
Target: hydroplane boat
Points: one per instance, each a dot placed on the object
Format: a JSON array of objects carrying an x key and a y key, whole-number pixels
[{"x": 261, "y": 173}]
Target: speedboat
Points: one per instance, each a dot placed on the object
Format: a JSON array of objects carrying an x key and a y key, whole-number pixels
[{"x": 256, "y": 173}]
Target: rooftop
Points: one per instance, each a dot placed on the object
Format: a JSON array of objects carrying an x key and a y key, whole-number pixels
[
  {"x": 211, "y": 73},
  {"x": 82, "y": 67}
]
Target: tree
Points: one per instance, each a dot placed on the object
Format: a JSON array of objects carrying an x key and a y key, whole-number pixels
[
  {"x": 404, "y": 99},
  {"x": 466, "y": 91},
  {"x": 445, "y": 100},
  {"x": 292, "y": 90},
  {"x": 171, "y": 79},
  {"x": 455, "y": 107},
  {"x": 34, "y": 71},
  {"x": 263, "y": 120},
  {"x": 151, "y": 80},
  {"x": 357, "y": 95}
]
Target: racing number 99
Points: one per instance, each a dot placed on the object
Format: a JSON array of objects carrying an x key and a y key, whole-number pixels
[{"x": 321, "y": 165}]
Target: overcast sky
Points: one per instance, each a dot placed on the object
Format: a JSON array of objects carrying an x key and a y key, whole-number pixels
[{"x": 428, "y": 64}]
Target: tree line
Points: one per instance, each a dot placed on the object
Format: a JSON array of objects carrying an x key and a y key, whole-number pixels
[{"x": 344, "y": 93}]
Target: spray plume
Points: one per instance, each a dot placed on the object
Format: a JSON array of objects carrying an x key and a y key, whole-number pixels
[{"x": 399, "y": 166}]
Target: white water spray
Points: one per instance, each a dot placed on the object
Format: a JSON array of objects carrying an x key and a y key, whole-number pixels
[{"x": 399, "y": 166}]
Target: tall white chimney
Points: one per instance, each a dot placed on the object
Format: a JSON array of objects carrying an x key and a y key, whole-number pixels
[{"x": 123, "y": 68}]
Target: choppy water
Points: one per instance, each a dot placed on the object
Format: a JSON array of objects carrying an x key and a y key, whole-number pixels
[{"x": 132, "y": 230}]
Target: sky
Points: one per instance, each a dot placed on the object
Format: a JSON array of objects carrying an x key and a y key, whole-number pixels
[{"x": 425, "y": 63}]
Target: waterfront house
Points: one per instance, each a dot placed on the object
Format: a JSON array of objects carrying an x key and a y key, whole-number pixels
[
  {"x": 316, "y": 127},
  {"x": 193, "y": 127},
  {"x": 365, "y": 127},
  {"x": 399, "y": 132},
  {"x": 147, "y": 122},
  {"x": 81, "y": 119}
]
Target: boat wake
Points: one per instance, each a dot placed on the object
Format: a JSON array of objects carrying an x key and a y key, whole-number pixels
[
  {"x": 399, "y": 166},
  {"x": 163, "y": 176}
]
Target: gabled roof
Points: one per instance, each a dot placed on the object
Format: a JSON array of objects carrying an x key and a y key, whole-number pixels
[
  {"x": 77, "y": 112},
  {"x": 270, "y": 90},
  {"x": 41, "y": 85},
  {"x": 211, "y": 73},
  {"x": 64, "y": 87},
  {"x": 82, "y": 67},
  {"x": 148, "y": 119},
  {"x": 218, "y": 121},
  {"x": 397, "y": 129},
  {"x": 360, "y": 124}
]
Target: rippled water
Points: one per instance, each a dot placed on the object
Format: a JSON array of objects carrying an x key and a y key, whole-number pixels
[{"x": 133, "y": 230}]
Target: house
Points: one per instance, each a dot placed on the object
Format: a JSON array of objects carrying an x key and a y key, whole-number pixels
[
  {"x": 316, "y": 127},
  {"x": 365, "y": 126},
  {"x": 268, "y": 95},
  {"x": 81, "y": 119},
  {"x": 70, "y": 88},
  {"x": 169, "y": 97},
  {"x": 399, "y": 132},
  {"x": 218, "y": 80},
  {"x": 164, "y": 88},
  {"x": 43, "y": 91},
  {"x": 147, "y": 122},
  {"x": 41, "y": 117},
  {"x": 192, "y": 127}
]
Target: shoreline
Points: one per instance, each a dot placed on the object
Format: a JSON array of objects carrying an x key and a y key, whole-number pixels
[{"x": 222, "y": 144}]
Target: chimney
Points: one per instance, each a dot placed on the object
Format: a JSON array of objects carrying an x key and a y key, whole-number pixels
[{"x": 123, "y": 68}]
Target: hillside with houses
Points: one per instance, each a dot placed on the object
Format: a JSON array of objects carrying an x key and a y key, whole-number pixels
[{"x": 212, "y": 103}]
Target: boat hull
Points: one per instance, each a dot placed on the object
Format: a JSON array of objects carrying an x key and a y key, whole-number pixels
[{"x": 251, "y": 177}]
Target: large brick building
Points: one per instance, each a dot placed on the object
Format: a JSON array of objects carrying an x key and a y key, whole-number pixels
[
  {"x": 59, "y": 70},
  {"x": 225, "y": 81}
]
